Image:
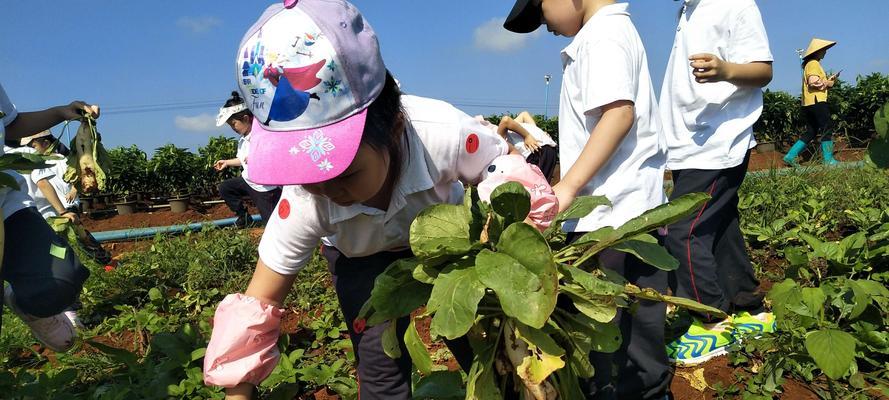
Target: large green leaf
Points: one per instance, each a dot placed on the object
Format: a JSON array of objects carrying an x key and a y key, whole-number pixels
[
  {"x": 390, "y": 341},
  {"x": 580, "y": 208},
  {"x": 881, "y": 121},
  {"x": 441, "y": 230},
  {"x": 25, "y": 161},
  {"x": 523, "y": 274},
  {"x": 832, "y": 350},
  {"x": 454, "y": 301},
  {"x": 594, "y": 335},
  {"x": 477, "y": 216},
  {"x": 589, "y": 281},
  {"x": 646, "y": 248},
  {"x": 511, "y": 201},
  {"x": 659, "y": 216},
  {"x": 7, "y": 181},
  {"x": 396, "y": 293},
  {"x": 813, "y": 299},
  {"x": 786, "y": 298},
  {"x": 597, "y": 307},
  {"x": 878, "y": 152},
  {"x": 417, "y": 350},
  {"x": 440, "y": 385}
]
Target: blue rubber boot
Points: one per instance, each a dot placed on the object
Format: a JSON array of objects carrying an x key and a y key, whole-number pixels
[
  {"x": 790, "y": 157},
  {"x": 827, "y": 149}
]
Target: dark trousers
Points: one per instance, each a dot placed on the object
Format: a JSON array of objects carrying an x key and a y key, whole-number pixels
[
  {"x": 817, "y": 118},
  {"x": 41, "y": 267},
  {"x": 714, "y": 268},
  {"x": 379, "y": 377},
  {"x": 233, "y": 191},
  {"x": 639, "y": 369},
  {"x": 545, "y": 159}
]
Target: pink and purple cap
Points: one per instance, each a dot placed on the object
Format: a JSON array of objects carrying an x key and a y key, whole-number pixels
[{"x": 308, "y": 70}]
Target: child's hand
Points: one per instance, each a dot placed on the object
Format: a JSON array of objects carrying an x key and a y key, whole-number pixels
[
  {"x": 71, "y": 195},
  {"x": 709, "y": 68},
  {"x": 220, "y": 165},
  {"x": 77, "y": 109},
  {"x": 243, "y": 391},
  {"x": 565, "y": 195},
  {"x": 532, "y": 144}
]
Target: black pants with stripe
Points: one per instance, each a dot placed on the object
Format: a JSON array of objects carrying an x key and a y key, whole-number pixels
[
  {"x": 714, "y": 268},
  {"x": 233, "y": 191},
  {"x": 639, "y": 369}
]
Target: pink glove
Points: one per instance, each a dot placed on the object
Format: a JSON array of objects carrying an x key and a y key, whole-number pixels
[
  {"x": 242, "y": 346},
  {"x": 514, "y": 168}
]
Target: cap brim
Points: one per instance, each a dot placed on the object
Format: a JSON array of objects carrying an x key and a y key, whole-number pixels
[
  {"x": 303, "y": 156},
  {"x": 525, "y": 17}
]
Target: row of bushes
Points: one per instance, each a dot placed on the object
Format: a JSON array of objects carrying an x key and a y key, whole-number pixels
[{"x": 171, "y": 171}]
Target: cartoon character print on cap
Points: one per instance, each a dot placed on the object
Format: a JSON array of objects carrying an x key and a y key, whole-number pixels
[{"x": 292, "y": 80}]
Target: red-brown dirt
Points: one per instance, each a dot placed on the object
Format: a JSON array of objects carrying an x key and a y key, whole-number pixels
[{"x": 100, "y": 222}]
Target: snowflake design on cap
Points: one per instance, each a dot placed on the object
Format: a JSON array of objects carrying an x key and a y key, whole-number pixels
[
  {"x": 331, "y": 65},
  {"x": 293, "y": 151},
  {"x": 317, "y": 145},
  {"x": 333, "y": 86},
  {"x": 325, "y": 165}
]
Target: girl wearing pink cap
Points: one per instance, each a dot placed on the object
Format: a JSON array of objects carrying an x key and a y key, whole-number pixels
[{"x": 359, "y": 161}]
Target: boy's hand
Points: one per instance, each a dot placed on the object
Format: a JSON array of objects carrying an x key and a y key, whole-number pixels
[
  {"x": 71, "y": 195},
  {"x": 565, "y": 194},
  {"x": 220, "y": 165},
  {"x": 243, "y": 391},
  {"x": 77, "y": 109},
  {"x": 709, "y": 68},
  {"x": 532, "y": 144}
]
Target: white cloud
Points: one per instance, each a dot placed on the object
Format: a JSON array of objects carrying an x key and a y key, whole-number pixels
[
  {"x": 492, "y": 36},
  {"x": 198, "y": 123},
  {"x": 198, "y": 24}
]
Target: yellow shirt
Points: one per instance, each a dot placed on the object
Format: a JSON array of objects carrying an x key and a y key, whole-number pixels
[{"x": 810, "y": 95}]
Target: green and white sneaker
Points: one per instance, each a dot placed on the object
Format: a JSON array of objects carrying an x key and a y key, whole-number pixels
[
  {"x": 753, "y": 325},
  {"x": 701, "y": 343}
]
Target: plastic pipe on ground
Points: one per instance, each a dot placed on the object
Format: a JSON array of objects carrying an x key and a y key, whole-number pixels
[{"x": 138, "y": 233}]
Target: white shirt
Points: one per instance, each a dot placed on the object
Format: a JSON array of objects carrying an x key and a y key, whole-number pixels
[
  {"x": 605, "y": 63},
  {"x": 519, "y": 142},
  {"x": 710, "y": 125},
  {"x": 243, "y": 152},
  {"x": 445, "y": 147},
  {"x": 53, "y": 175},
  {"x": 10, "y": 200}
]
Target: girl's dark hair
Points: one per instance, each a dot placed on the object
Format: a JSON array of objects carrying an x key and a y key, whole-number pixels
[
  {"x": 235, "y": 100},
  {"x": 384, "y": 129}
]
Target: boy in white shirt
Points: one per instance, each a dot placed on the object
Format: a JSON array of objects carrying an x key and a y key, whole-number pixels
[
  {"x": 710, "y": 99},
  {"x": 610, "y": 144},
  {"x": 44, "y": 274}
]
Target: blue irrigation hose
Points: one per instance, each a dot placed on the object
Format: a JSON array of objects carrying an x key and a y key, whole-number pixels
[{"x": 139, "y": 233}]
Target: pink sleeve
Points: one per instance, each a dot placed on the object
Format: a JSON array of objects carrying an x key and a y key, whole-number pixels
[
  {"x": 243, "y": 344},
  {"x": 514, "y": 168}
]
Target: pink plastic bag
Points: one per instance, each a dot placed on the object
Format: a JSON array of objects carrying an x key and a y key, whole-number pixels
[
  {"x": 514, "y": 168},
  {"x": 243, "y": 344}
]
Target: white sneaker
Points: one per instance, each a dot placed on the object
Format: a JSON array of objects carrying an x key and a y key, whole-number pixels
[{"x": 56, "y": 332}]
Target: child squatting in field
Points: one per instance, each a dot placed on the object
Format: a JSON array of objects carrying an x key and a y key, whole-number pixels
[{"x": 359, "y": 161}]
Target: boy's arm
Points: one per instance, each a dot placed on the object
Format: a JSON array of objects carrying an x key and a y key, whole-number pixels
[
  {"x": 508, "y": 124},
  {"x": 29, "y": 123},
  {"x": 50, "y": 193},
  {"x": 710, "y": 68},
  {"x": 606, "y": 137}
]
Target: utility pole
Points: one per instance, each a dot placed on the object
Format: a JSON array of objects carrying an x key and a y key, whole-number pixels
[{"x": 546, "y": 79}]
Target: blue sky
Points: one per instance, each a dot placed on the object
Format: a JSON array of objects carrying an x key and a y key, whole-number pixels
[{"x": 161, "y": 68}]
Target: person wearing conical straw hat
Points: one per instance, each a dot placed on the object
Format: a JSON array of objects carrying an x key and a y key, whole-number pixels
[{"x": 816, "y": 84}]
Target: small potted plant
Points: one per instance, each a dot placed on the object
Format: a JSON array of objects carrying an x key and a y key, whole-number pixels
[
  {"x": 128, "y": 177},
  {"x": 173, "y": 169}
]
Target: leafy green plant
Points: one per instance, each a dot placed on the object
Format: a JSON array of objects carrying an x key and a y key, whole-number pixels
[
  {"x": 174, "y": 169},
  {"x": 218, "y": 148},
  {"x": 483, "y": 273},
  {"x": 780, "y": 121},
  {"x": 130, "y": 173}
]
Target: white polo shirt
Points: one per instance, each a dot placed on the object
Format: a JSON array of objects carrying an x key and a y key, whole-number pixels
[
  {"x": 710, "y": 125},
  {"x": 445, "y": 147},
  {"x": 605, "y": 63},
  {"x": 53, "y": 175},
  {"x": 242, "y": 155},
  {"x": 519, "y": 142},
  {"x": 10, "y": 200}
]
